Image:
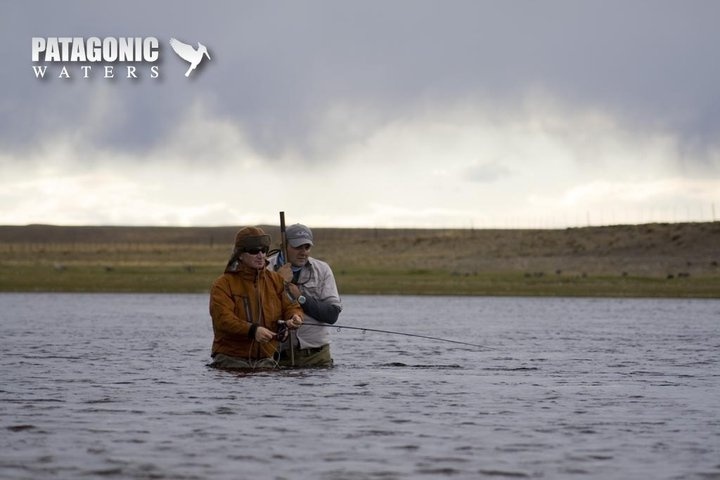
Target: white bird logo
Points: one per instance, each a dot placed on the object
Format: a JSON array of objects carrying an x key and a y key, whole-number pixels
[{"x": 189, "y": 54}]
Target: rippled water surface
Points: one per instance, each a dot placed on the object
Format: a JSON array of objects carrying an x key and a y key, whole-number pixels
[{"x": 116, "y": 386}]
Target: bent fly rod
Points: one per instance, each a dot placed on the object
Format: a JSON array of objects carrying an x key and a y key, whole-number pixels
[{"x": 365, "y": 329}]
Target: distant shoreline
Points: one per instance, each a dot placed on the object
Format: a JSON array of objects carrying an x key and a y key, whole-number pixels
[{"x": 649, "y": 260}]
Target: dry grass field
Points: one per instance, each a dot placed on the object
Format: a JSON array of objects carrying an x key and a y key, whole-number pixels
[{"x": 653, "y": 260}]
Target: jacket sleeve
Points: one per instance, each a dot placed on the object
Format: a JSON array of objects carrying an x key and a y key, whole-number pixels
[
  {"x": 222, "y": 310},
  {"x": 322, "y": 310},
  {"x": 325, "y": 305}
]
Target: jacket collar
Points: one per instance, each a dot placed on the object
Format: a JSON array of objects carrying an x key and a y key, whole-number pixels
[{"x": 249, "y": 273}]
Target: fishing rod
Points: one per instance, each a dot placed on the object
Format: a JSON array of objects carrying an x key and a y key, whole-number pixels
[
  {"x": 365, "y": 329},
  {"x": 283, "y": 252}
]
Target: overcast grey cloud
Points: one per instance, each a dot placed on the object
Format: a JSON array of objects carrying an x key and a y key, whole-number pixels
[{"x": 322, "y": 83}]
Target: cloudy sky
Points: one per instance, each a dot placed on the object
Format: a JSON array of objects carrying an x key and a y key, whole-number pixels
[{"x": 365, "y": 113}]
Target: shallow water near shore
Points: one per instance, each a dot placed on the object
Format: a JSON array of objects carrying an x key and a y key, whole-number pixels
[{"x": 117, "y": 386}]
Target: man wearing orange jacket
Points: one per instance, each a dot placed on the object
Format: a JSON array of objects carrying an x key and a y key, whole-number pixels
[{"x": 249, "y": 307}]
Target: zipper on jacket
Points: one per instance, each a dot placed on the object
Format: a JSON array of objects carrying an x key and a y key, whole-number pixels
[
  {"x": 258, "y": 298},
  {"x": 248, "y": 312}
]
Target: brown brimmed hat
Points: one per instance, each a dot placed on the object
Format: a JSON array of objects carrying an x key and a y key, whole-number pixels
[{"x": 248, "y": 238}]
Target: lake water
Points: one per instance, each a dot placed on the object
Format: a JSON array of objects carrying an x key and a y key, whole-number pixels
[{"x": 116, "y": 386}]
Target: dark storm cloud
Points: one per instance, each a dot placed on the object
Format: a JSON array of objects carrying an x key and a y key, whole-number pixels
[{"x": 278, "y": 66}]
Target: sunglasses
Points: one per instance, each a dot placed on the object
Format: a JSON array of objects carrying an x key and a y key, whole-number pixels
[{"x": 255, "y": 251}]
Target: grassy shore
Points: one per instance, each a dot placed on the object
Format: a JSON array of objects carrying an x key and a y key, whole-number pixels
[{"x": 653, "y": 260}]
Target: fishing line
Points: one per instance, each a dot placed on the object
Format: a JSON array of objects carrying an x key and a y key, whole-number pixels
[{"x": 365, "y": 329}]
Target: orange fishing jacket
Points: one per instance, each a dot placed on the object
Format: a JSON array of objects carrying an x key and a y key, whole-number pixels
[{"x": 242, "y": 298}]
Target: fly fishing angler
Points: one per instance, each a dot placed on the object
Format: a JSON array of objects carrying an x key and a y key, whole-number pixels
[
  {"x": 311, "y": 282},
  {"x": 246, "y": 304}
]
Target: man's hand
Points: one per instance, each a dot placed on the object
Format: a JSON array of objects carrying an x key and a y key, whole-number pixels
[
  {"x": 295, "y": 322},
  {"x": 263, "y": 335},
  {"x": 286, "y": 272}
]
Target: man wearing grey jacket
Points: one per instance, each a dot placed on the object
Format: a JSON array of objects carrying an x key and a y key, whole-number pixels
[{"x": 311, "y": 282}]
